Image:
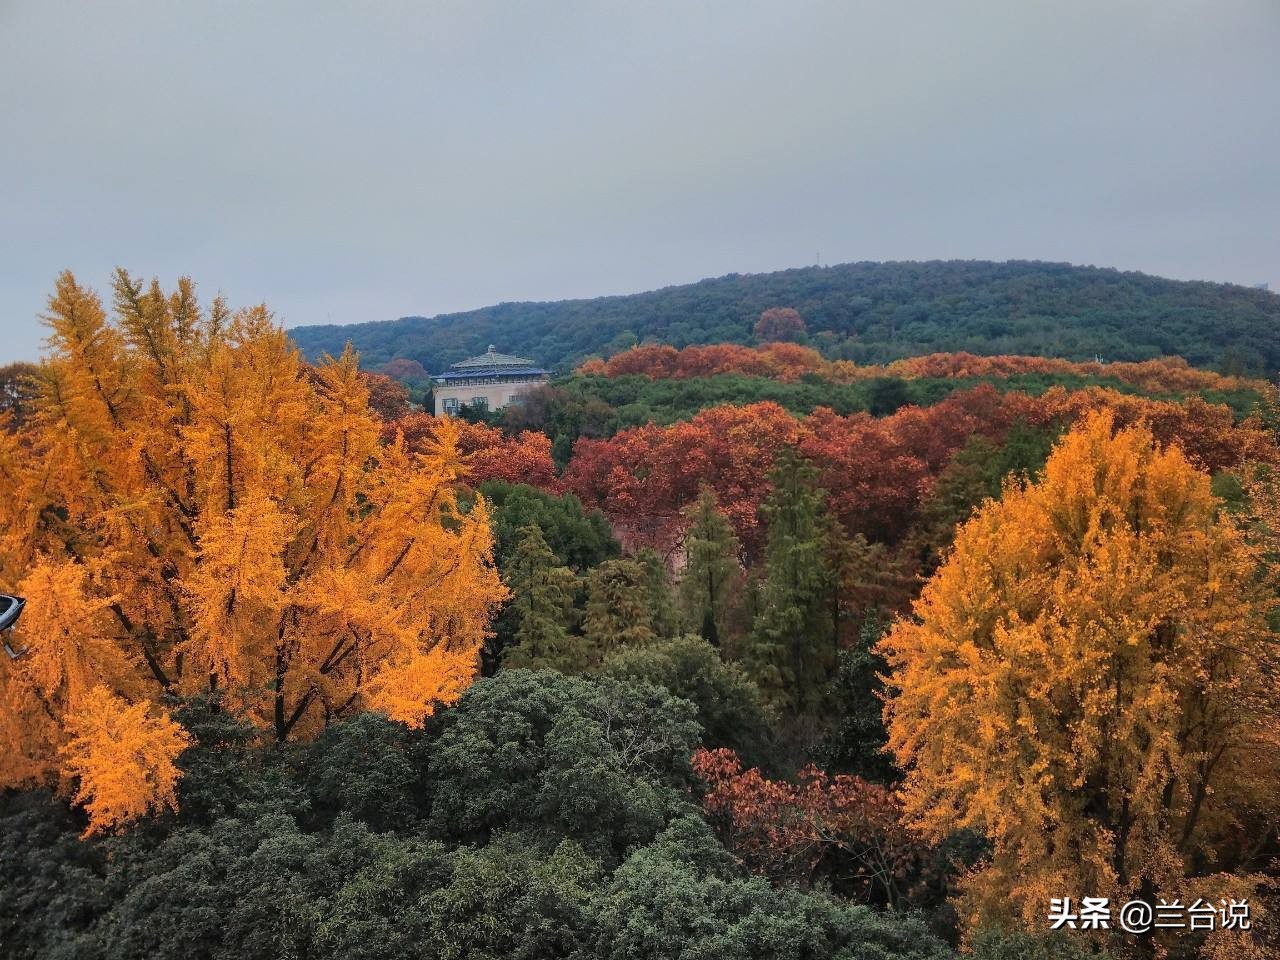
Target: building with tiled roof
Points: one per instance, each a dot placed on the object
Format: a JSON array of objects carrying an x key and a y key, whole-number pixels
[{"x": 489, "y": 381}]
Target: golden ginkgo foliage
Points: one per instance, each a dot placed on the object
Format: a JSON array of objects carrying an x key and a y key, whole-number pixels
[
  {"x": 190, "y": 507},
  {"x": 1089, "y": 681},
  {"x": 123, "y": 757}
]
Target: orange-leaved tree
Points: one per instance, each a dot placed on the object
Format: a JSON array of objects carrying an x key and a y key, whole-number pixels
[
  {"x": 842, "y": 829},
  {"x": 190, "y": 508},
  {"x": 779, "y": 323},
  {"x": 488, "y": 453},
  {"x": 1089, "y": 680}
]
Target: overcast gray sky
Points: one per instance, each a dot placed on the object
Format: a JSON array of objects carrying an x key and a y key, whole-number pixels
[{"x": 362, "y": 161}]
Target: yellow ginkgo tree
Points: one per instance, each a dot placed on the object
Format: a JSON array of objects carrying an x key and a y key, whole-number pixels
[
  {"x": 1090, "y": 681},
  {"x": 192, "y": 508}
]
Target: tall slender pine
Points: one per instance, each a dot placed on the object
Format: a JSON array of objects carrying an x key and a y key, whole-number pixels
[
  {"x": 712, "y": 574},
  {"x": 791, "y": 649},
  {"x": 542, "y": 606},
  {"x": 619, "y": 607}
]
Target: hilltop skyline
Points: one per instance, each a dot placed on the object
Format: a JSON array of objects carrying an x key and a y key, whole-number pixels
[{"x": 428, "y": 160}]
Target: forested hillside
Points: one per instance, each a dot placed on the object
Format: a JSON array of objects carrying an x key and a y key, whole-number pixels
[
  {"x": 718, "y": 652},
  {"x": 867, "y": 312}
]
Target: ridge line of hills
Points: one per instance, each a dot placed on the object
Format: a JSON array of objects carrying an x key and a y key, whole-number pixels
[{"x": 868, "y": 312}]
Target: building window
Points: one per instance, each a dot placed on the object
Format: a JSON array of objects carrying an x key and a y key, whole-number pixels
[
  {"x": 479, "y": 403},
  {"x": 450, "y": 405}
]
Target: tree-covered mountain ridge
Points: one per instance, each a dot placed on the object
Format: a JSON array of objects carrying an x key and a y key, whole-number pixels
[{"x": 867, "y": 312}]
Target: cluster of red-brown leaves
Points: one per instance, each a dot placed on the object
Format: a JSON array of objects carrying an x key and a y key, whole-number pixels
[
  {"x": 1160, "y": 375},
  {"x": 779, "y": 361},
  {"x": 876, "y": 471},
  {"x": 789, "y": 361},
  {"x": 842, "y": 829},
  {"x": 487, "y": 452}
]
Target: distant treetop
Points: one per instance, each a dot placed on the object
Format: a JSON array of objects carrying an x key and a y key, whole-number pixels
[
  {"x": 779, "y": 324},
  {"x": 402, "y": 368}
]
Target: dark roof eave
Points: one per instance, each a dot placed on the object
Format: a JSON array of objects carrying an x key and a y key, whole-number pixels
[{"x": 491, "y": 373}]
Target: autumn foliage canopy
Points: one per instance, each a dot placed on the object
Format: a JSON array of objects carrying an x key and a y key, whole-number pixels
[
  {"x": 190, "y": 509},
  {"x": 488, "y": 453},
  {"x": 790, "y": 361},
  {"x": 839, "y": 828},
  {"x": 876, "y": 471}
]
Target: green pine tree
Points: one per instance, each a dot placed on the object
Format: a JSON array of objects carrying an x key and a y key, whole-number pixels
[
  {"x": 791, "y": 650},
  {"x": 712, "y": 574},
  {"x": 542, "y": 593},
  {"x": 664, "y": 616},
  {"x": 619, "y": 607},
  {"x": 854, "y": 742}
]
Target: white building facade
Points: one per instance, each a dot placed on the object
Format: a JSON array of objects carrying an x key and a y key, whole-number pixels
[{"x": 489, "y": 382}]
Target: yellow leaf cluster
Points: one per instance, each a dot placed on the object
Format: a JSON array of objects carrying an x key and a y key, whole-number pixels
[
  {"x": 123, "y": 757},
  {"x": 411, "y": 691}
]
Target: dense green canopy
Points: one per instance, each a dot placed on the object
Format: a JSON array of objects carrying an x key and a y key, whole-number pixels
[
  {"x": 544, "y": 816},
  {"x": 869, "y": 312}
]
